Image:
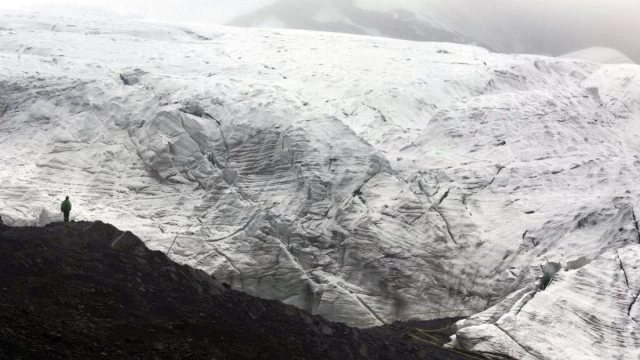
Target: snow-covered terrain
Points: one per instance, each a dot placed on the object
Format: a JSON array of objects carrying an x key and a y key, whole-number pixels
[{"x": 364, "y": 179}]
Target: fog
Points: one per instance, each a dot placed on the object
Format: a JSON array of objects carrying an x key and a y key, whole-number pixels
[
  {"x": 566, "y": 25},
  {"x": 543, "y": 26},
  {"x": 215, "y": 11}
]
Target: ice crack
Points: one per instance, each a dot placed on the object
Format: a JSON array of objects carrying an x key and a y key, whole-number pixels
[
  {"x": 631, "y": 306},
  {"x": 232, "y": 265},
  {"x": 635, "y": 224},
  {"x": 626, "y": 279},
  {"x": 224, "y": 139},
  {"x": 383, "y": 118},
  {"x": 446, "y": 194},
  {"x": 174, "y": 241},
  {"x": 493, "y": 179},
  {"x": 517, "y": 343},
  {"x": 4, "y": 108},
  {"x": 243, "y": 228},
  {"x": 437, "y": 210},
  {"x": 446, "y": 223},
  {"x": 369, "y": 309}
]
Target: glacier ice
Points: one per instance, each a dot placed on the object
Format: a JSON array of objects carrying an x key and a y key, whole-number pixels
[{"x": 367, "y": 180}]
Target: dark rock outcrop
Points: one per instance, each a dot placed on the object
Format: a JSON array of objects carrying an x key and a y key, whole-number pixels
[{"x": 88, "y": 290}]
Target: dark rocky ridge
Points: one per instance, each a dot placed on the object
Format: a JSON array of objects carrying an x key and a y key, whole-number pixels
[{"x": 90, "y": 291}]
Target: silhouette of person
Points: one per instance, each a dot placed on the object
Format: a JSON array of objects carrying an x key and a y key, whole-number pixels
[{"x": 66, "y": 209}]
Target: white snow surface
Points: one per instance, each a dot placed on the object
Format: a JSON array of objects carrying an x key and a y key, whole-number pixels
[
  {"x": 364, "y": 179},
  {"x": 599, "y": 55}
]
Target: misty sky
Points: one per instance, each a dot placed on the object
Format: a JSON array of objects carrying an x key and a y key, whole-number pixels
[
  {"x": 218, "y": 11},
  {"x": 613, "y": 23}
]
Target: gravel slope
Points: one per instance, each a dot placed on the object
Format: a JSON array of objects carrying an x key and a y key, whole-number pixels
[{"x": 89, "y": 291}]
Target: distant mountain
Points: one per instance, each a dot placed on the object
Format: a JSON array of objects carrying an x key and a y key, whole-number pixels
[
  {"x": 600, "y": 55},
  {"x": 500, "y": 25},
  {"x": 349, "y": 16}
]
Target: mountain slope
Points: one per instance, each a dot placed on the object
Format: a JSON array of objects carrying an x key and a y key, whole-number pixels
[
  {"x": 90, "y": 291},
  {"x": 364, "y": 179},
  {"x": 352, "y": 17},
  {"x": 500, "y": 25},
  {"x": 600, "y": 55}
]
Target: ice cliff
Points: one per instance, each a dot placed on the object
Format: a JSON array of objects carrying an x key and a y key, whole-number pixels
[{"x": 364, "y": 179}]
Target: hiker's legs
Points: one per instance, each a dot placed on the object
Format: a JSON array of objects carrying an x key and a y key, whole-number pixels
[{"x": 66, "y": 216}]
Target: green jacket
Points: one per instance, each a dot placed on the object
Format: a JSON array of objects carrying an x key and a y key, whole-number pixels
[{"x": 66, "y": 206}]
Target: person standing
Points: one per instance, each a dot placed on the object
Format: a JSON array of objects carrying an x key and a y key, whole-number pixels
[{"x": 66, "y": 209}]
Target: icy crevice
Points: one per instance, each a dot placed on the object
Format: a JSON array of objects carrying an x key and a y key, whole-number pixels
[
  {"x": 382, "y": 117},
  {"x": 358, "y": 191},
  {"x": 364, "y": 304},
  {"x": 243, "y": 228},
  {"x": 446, "y": 222},
  {"x": 232, "y": 266},
  {"x": 444, "y": 196},
  {"x": 3, "y": 109},
  {"x": 264, "y": 132},
  {"x": 435, "y": 207},
  {"x": 626, "y": 278},
  {"x": 635, "y": 224},
  {"x": 493, "y": 179},
  {"x": 172, "y": 243},
  {"x": 527, "y": 350},
  {"x": 635, "y": 299},
  {"x": 524, "y": 302},
  {"x": 284, "y": 248}
]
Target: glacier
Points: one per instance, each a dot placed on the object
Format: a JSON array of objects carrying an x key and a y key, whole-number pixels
[{"x": 367, "y": 180}]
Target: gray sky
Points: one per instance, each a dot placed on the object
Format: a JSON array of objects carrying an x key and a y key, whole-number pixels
[
  {"x": 575, "y": 24},
  {"x": 558, "y": 25},
  {"x": 218, "y": 11}
]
